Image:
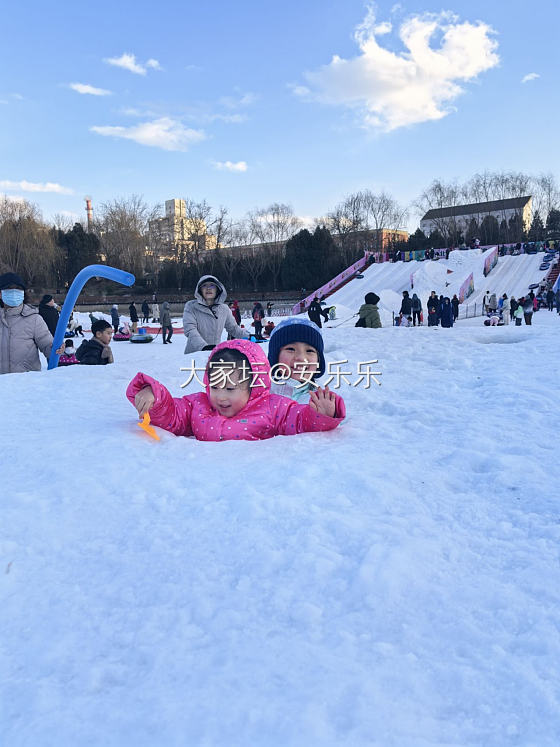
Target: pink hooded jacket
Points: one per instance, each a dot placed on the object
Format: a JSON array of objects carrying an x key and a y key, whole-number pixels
[{"x": 265, "y": 414}]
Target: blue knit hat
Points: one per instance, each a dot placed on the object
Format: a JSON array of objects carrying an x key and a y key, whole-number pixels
[{"x": 296, "y": 329}]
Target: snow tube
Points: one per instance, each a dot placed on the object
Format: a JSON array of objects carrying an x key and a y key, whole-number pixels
[
  {"x": 533, "y": 286},
  {"x": 141, "y": 338},
  {"x": 119, "y": 338}
]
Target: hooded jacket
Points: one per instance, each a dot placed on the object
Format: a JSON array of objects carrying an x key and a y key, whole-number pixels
[
  {"x": 203, "y": 325},
  {"x": 23, "y": 333},
  {"x": 165, "y": 319},
  {"x": 114, "y": 315},
  {"x": 370, "y": 313},
  {"x": 265, "y": 414}
]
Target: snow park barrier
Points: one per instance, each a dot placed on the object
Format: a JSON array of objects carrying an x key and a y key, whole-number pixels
[
  {"x": 91, "y": 271},
  {"x": 467, "y": 288}
]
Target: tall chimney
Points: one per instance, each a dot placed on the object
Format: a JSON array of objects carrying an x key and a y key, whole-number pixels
[{"x": 89, "y": 213}]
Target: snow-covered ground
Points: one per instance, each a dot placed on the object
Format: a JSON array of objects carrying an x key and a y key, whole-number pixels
[
  {"x": 393, "y": 582},
  {"x": 512, "y": 275}
]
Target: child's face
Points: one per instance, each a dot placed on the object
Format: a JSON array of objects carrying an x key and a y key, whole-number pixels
[
  {"x": 227, "y": 394},
  {"x": 105, "y": 336},
  {"x": 301, "y": 358}
]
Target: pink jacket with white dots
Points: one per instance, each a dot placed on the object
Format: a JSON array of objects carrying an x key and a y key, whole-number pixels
[{"x": 265, "y": 414}]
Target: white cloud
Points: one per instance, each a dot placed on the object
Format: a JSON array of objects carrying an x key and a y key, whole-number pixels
[
  {"x": 530, "y": 76},
  {"x": 25, "y": 186},
  {"x": 165, "y": 133},
  {"x": 395, "y": 89},
  {"x": 239, "y": 166},
  {"x": 128, "y": 62},
  {"x": 233, "y": 102},
  {"x": 17, "y": 96},
  {"x": 87, "y": 89}
]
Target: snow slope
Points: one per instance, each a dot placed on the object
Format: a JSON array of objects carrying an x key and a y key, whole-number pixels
[
  {"x": 394, "y": 582},
  {"x": 512, "y": 275}
]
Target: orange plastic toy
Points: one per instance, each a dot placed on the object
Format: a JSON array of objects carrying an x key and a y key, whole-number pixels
[{"x": 145, "y": 425}]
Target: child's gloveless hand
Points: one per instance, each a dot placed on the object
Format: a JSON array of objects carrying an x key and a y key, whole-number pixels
[
  {"x": 323, "y": 401},
  {"x": 144, "y": 400}
]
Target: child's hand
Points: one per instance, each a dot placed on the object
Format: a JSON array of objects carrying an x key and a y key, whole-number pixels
[
  {"x": 323, "y": 401},
  {"x": 60, "y": 350},
  {"x": 144, "y": 400}
]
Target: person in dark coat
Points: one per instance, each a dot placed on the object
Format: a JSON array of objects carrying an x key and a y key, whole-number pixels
[
  {"x": 512, "y": 307},
  {"x": 258, "y": 316},
  {"x": 236, "y": 311},
  {"x": 97, "y": 351},
  {"x": 432, "y": 310},
  {"x": 49, "y": 313},
  {"x": 133, "y": 317},
  {"x": 166, "y": 327},
  {"x": 455, "y": 307},
  {"x": 549, "y": 300},
  {"x": 406, "y": 305},
  {"x": 145, "y": 312},
  {"x": 114, "y": 318},
  {"x": 446, "y": 313},
  {"x": 314, "y": 312},
  {"x": 416, "y": 305}
]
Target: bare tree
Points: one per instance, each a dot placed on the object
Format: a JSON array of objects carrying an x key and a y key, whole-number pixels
[
  {"x": 437, "y": 196},
  {"x": 344, "y": 222},
  {"x": 123, "y": 228},
  {"x": 381, "y": 211},
  {"x": 26, "y": 244}
]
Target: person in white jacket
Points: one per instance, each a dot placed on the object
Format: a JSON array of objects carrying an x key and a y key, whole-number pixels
[{"x": 505, "y": 309}]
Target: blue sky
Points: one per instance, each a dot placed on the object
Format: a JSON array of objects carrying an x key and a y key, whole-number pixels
[{"x": 241, "y": 103}]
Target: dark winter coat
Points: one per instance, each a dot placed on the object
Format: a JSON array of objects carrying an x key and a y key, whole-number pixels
[
  {"x": 406, "y": 306},
  {"x": 50, "y": 315},
  {"x": 89, "y": 353},
  {"x": 114, "y": 316},
  {"x": 370, "y": 314},
  {"x": 258, "y": 312},
  {"x": 133, "y": 313},
  {"x": 416, "y": 303},
  {"x": 455, "y": 306},
  {"x": 446, "y": 314},
  {"x": 145, "y": 309},
  {"x": 314, "y": 312}
]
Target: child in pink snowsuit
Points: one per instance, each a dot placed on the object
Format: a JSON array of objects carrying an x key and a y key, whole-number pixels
[{"x": 237, "y": 403}]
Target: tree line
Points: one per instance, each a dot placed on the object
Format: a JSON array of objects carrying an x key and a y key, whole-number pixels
[{"x": 267, "y": 249}]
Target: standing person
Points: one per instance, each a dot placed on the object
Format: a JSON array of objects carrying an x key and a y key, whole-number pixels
[
  {"x": 269, "y": 306},
  {"x": 446, "y": 313},
  {"x": 236, "y": 311},
  {"x": 258, "y": 316},
  {"x": 512, "y": 307},
  {"x": 506, "y": 306},
  {"x": 416, "y": 304},
  {"x": 23, "y": 332},
  {"x": 432, "y": 310},
  {"x": 314, "y": 312},
  {"x": 145, "y": 312},
  {"x": 49, "y": 313},
  {"x": 557, "y": 299},
  {"x": 550, "y": 299},
  {"x": 527, "y": 304},
  {"x": 133, "y": 317},
  {"x": 114, "y": 317},
  {"x": 205, "y": 317},
  {"x": 455, "y": 307},
  {"x": 166, "y": 328},
  {"x": 406, "y": 305},
  {"x": 486, "y": 302},
  {"x": 369, "y": 311},
  {"x": 155, "y": 312}
]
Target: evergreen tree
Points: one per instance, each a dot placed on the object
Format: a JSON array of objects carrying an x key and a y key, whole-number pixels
[
  {"x": 536, "y": 232},
  {"x": 553, "y": 221}
]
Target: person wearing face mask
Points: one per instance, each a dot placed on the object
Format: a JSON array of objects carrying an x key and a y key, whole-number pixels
[
  {"x": 205, "y": 317},
  {"x": 23, "y": 332}
]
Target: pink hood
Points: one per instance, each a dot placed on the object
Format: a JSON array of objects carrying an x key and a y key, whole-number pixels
[{"x": 265, "y": 414}]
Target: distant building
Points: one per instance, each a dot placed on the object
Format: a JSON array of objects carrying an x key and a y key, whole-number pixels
[
  {"x": 458, "y": 217},
  {"x": 372, "y": 239},
  {"x": 176, "y": 232}
]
